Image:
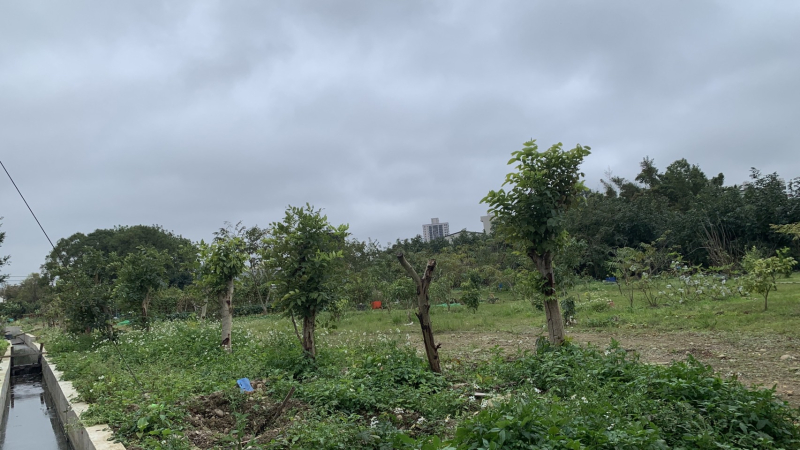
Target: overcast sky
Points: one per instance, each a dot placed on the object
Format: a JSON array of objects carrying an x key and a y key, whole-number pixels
[{"x": 384, "y": 113}]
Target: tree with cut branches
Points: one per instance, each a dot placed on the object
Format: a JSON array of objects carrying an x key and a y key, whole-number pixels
[
  {"x": 424, "y": 308},
  {"x": 530, "y": 214}
]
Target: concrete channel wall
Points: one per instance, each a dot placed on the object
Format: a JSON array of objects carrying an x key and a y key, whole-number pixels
[
  {"x": 80, "y": 436},
  {"x": 5, "y": 379}
]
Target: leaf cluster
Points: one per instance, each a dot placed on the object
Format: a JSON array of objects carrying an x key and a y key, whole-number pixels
[
  {"x": 574, "y": 399},
  {"x": 221, "y": 261},
  {"x": 543, "y": 187},
  {"x": 141, "y": 273},
  {"x": 305, "y": 251}
]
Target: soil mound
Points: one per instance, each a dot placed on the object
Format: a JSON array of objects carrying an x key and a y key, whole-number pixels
[{"x": 223, "y": 419}]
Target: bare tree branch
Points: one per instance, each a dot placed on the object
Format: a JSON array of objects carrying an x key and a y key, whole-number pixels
[
  {"x": 409, "y": 270},
  {"x": 297, "y": 333}
]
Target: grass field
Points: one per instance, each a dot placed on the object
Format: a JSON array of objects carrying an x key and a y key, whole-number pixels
[
  {"x": 600, "y": 306},
  {"x": 370, "y": 388}
]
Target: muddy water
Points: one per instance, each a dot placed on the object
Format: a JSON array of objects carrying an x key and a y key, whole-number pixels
[{"x": 30, "y": 421}]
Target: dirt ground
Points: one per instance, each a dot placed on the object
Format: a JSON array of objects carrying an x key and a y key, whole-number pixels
[
  {"x": 215, "y": 422},
  {"x": 756, "y": 360}
]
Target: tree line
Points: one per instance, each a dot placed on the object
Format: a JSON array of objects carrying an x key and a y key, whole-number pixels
[{"x": 550, "y": 230}]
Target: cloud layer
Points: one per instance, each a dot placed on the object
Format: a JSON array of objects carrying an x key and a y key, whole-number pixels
[{"x": 385, "y": 114}]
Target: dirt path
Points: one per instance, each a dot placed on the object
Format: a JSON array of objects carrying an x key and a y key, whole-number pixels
[{"x": 760, "y": 360}]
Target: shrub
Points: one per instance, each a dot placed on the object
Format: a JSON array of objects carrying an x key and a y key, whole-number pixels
[
  {"x": 375, "y": 393},
  {"x": 576, "y": 398},
  {"x": 470, "y": 295}
]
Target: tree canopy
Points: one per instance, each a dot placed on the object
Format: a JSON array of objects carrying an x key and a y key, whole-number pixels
[
  {"x": 121, "y": 241},
  {"x": 304, "y": 250}
]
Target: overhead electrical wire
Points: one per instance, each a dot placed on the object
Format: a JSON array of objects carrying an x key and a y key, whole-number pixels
[
  {"x": 29, "y": 206},
  {"x": 112, "y": 338}
]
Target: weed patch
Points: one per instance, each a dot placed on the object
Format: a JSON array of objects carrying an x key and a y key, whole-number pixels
[{"x": 373, "y": 390}]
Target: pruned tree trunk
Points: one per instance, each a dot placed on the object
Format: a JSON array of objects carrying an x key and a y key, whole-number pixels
[
  {"x": 555, "y": 323},
  {"x": 204, "y": 310},
  {"x": 226, "y": 314},
  {"x": 265, "y": 304},
  {"x": 424, "y": 308},
  {"x": 145, "y": 306},
  {"x": 309, "y": 324},
  {"x": 257, "y": 284}
]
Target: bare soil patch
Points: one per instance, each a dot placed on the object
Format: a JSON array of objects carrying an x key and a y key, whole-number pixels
[
  {"x": 214, "y": 418},
  {"x": 762, "y": 360}
]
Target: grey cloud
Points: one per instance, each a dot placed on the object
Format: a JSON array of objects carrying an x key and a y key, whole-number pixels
[{"x": 386, "y": 114}]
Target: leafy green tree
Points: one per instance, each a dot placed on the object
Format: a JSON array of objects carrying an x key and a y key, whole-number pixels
[
  {"x": 470, "y": 295},
  {"x": 626, "y": 265},
  {"x": 31, "y": 294},
  {"x": 141, "y": 275},
  {"x": 763, "y": 273},
  {"x": 304, "y": 252},
  {"x": 257, "y": 283},
  {"x": 681, "y": 183},
  {"x": 442, "y": 290},
  {"x": 401, "y": 290},
  {"x": 123, "y": 240},
  {"x": 649, "y": 175},
  {"x": 531, "y": 213},
  {"x": 358, "y": 288},
  {"x": 84, "y": 290},
  {"x": 220, "y": 263}
]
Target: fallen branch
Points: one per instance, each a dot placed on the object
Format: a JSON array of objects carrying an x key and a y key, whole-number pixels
[
  {"x": 282, "y": 406},
  {"x": 277, "y": 413}
]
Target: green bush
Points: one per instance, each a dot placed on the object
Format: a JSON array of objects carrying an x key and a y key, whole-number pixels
[
  {"x": 374, "y": 393},
  {"x": 470, "y": 295},
  {"x": 574, "y": 398}
]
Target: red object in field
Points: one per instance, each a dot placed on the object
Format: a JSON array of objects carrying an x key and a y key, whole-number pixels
[{"x": 376, "y": 304}]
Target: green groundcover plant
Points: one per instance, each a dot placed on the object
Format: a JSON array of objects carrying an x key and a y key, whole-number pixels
[{"x": 375, "y": 391}]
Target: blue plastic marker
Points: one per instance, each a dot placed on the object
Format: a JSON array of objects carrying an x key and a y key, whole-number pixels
[{"x": 244, "y": 385}]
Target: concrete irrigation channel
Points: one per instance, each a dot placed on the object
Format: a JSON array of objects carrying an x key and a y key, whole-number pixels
[{"x": 39, "y": 411}]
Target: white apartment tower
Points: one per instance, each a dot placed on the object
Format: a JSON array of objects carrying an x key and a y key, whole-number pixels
[
  {"x": 435, "y": 230},
  {"x": 487, "y": 222}
]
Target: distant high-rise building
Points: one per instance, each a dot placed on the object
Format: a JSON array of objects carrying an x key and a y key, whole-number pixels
[
  {"x": 435, "y": 230},
  {"x": 487, "y": 223}
]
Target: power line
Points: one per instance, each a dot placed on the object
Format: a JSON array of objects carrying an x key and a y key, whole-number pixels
[
  {"x": 26, "y": 204},
  {"x": 111, "y": 332}
]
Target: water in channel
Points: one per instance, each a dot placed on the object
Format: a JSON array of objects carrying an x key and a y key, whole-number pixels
[{"x": 31, "y": 421}]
